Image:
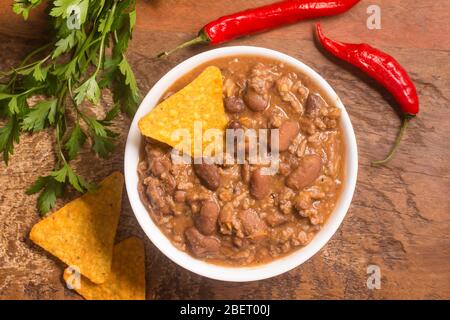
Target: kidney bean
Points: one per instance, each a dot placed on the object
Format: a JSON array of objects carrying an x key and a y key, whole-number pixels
[
  {"x": 307, "y": 171},
  {"x": 313, "y": 105},
  {"x": 251, "y": 223},
  {"x": 208, "y": 175},
  {"x": 259, "y": 184},
  {"x": 255, "y": 101},
  {"x": 234, "y": 104},
  {"x": 201, "y": 246},
  {"x": 289, "y": 129},
  {"x": 206, "y": 220}
]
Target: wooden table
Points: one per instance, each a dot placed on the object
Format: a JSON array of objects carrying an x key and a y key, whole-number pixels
[{"x": 400, "y": 216}]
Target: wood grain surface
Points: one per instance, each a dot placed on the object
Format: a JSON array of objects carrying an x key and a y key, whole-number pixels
[{"x": 399, "y": 219}]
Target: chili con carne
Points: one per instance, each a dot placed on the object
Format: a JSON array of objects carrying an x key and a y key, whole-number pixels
[
  {"x": 385, "y": 70},
  {"x": 259, "y": 19}
]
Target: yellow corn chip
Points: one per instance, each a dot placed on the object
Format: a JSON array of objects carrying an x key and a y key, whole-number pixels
[
  {"x": 199, "y": 102},
  {"x": 82, "y": 232},
  {"x": 126, "y": 280}
]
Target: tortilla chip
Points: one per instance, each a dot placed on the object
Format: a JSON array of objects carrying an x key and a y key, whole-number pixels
[
  {"x": 126, "y": 280},
  {"x": 82, "y": 232},
  {"x": 201, "y": 100}
]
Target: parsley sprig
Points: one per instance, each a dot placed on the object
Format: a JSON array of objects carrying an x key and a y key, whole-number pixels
[{"x": 87, "y": 54}]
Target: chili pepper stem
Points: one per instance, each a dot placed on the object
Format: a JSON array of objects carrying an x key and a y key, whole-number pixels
[
  {"x": 397, "y": 143},
  {"x": 201, "y": 38}
]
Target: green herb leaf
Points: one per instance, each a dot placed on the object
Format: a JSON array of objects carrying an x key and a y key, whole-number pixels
[
  {"x": 64, "y": 45},
  {"x": 51, "y": 186},
  {"x": 75, "y": 142},
  {"x": 132, "y": 15},
  {"x": 75, "y": 181},
  {"x": 39, "y": 74},
  {"x": 13, "y": 105},
  {"x": 47, "y": 198},
  {"x": 84, "y": 6},
  {"x": 62, "y": 8},
  {"x": 9, "y": 134},
  {"x": 123, "y": 95},
  {"x": 88, "y": 35},
  {"x": 24, "y": 7},
  {"x": 111, "y": 115},
  {"x": 130, "y": 80},
  {"x": 102, "y": 146},
  {"x": 38, "y": 185},
  {"x": 36, "y": 119},
  {"x": 89, "y": 89},
  {"x": 61, "y": 174}
]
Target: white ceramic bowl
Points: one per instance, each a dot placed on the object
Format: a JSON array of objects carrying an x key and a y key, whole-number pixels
[{"x": 252, "y": 273}]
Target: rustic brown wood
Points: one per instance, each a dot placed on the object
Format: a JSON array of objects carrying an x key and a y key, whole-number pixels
[{"x": 399, "y": 218}]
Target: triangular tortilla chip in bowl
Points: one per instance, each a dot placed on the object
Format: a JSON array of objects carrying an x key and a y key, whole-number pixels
[{"x": 199, "y": 103}]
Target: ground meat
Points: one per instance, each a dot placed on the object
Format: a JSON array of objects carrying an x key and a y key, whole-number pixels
[
  {"x": 180, "y": 196},
  {"x": 262, "y": 78},
  {"x": 275, "y": 219},
  {"x": 277, "y": 117},
  {"x": 286, "y": 89},
  {"x": 303, "y": 201},
  {"x": 226, "y": 218},
  {"x": 156, "y": 195}
]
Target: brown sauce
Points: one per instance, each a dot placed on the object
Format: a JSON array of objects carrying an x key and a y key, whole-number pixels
[{"x": 251, "y": 219}]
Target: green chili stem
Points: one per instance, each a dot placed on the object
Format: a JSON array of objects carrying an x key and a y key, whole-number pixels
[
  {"x": 201, "y": 38},
  {"x": 396, "y": 144}
]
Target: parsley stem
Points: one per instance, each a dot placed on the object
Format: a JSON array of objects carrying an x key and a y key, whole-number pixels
[
  {"x": 101, "y": 52},
  {"x": 25, "y": 60},
  {"x": 61, "y": 117},
  {"x": 78, "y": 111},
  {"x": 58, "y": 144},
  {"x": 24, "y": 67},
  {"x": 33, "y": 53},
  {"x": 28, "y": 91},
  {"x": 102, "y": 44}
]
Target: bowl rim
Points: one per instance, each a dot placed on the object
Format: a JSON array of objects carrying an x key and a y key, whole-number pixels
[{"x": 229, "y": 273}]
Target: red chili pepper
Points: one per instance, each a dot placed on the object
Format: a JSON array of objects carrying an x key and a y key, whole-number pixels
[
  {"x": 385, "y": 70},
  {"x": 264, "y": 18}
]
